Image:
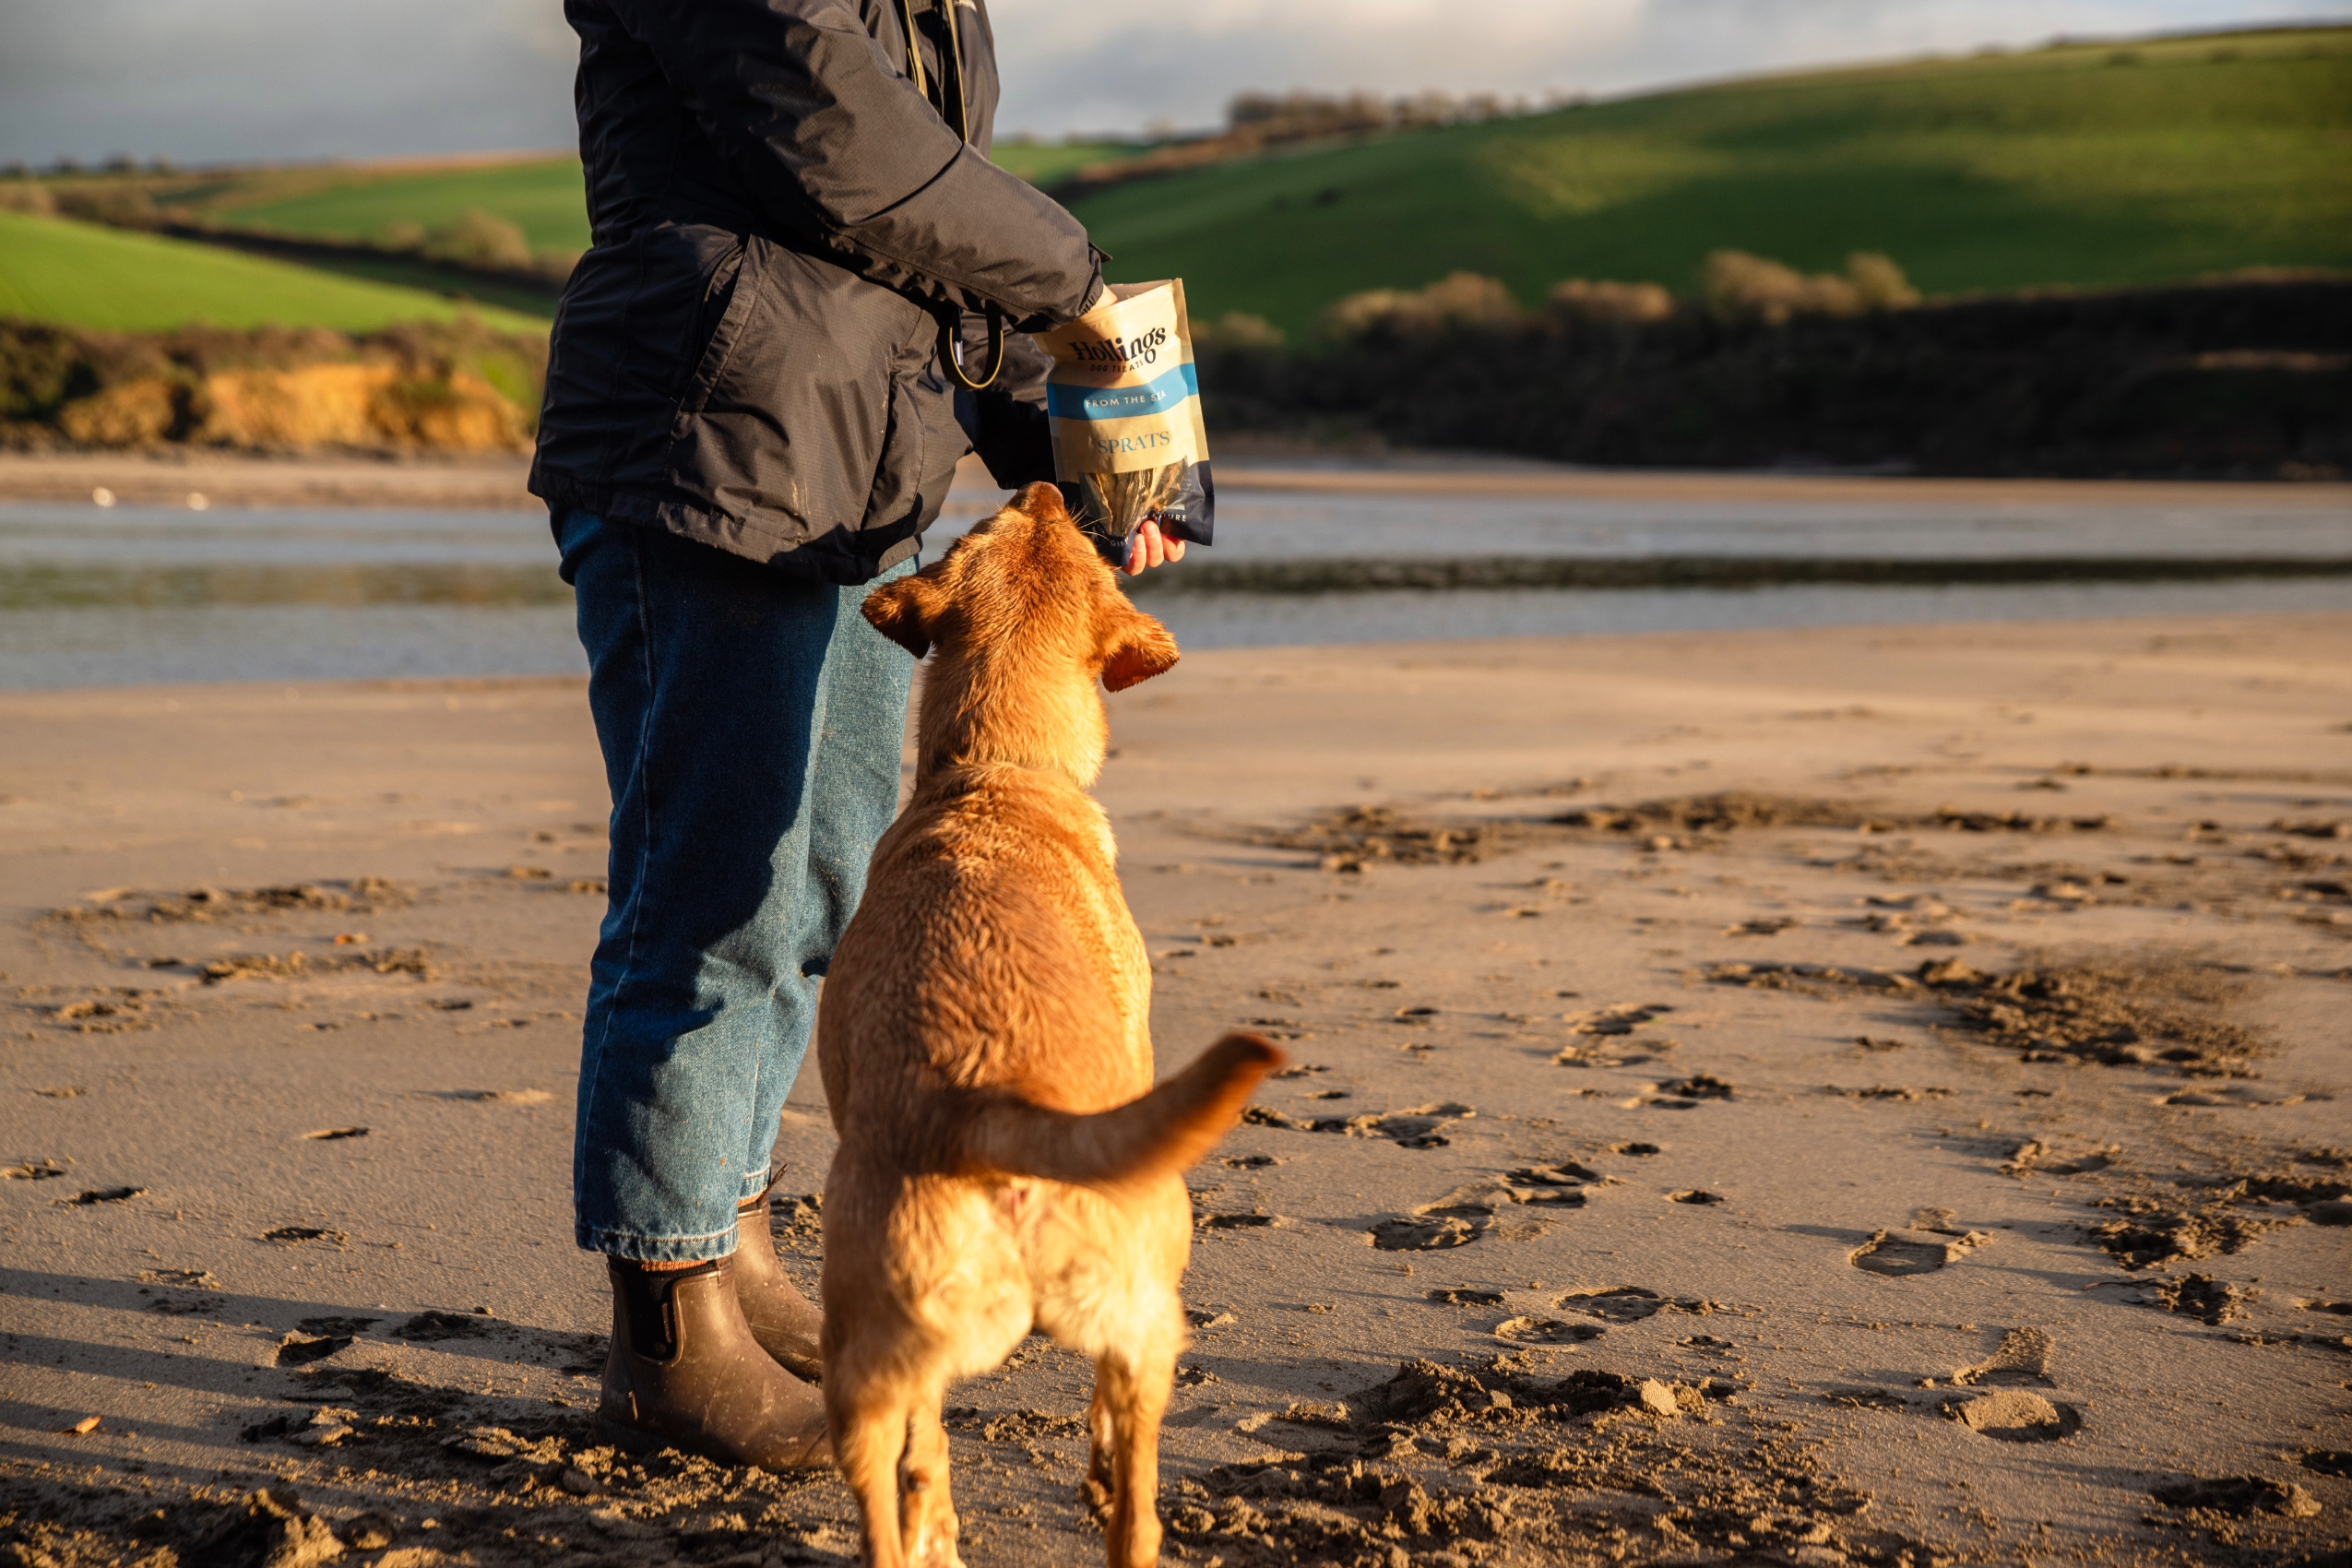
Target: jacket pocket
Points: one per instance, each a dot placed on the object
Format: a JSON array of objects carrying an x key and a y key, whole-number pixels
[
  {"x": 920, "y": 448},
  {"x": 788, "y": 416},
  {"x": 727, "y": 298}
]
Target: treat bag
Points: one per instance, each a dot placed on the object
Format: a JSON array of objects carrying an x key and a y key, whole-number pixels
[{"x": 1124, "y": 405}]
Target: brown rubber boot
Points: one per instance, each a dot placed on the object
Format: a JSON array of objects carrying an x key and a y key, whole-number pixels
[
  {"x": 785, "y": 1323},
  {"x": 684, "y": 1372}
]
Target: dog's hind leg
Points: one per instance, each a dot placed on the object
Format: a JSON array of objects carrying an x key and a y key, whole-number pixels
[
  {"x": 927, "y": 1504},
  {"x": 1101, "y": 1478},
  {"x": 1130, "y": 1396}
]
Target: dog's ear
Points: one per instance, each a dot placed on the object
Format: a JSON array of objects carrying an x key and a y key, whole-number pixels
[
  {"x": 1042, "y": 501},
  {"x": 907, "y": 611},
  {"x": 1137, "y": 648}
]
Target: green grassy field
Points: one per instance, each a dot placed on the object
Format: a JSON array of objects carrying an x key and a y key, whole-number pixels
[
  {"x": 543, "y": 196},
  {"x": 79, "y": 275},
  {"x": 2082, "y": 165},
  {"x": 1043, "y": 163}
]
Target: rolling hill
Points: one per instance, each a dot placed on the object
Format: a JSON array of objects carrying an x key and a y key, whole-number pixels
[
  {"x": 543, "y": 196},
  {"x": 81, "y": 275},
  {"x": 2083, "y": 165},
  {"x": 2072, "y": 165}
]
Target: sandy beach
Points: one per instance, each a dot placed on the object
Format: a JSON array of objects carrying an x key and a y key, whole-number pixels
[{"x": 1850, "y": 1095}]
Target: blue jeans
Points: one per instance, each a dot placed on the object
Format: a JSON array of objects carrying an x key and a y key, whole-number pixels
[{"x": 751, "y": 724}]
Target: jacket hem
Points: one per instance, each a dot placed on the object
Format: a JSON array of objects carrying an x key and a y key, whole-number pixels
[{"x": 819, "y": 560}]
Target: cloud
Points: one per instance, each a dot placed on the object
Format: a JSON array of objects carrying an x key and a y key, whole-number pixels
[
  {"x": 282, "y": 78},
  {"x": 213, "y": 79}
]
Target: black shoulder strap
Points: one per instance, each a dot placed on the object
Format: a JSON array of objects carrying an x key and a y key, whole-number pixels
[{"x": 954, "y": 107}]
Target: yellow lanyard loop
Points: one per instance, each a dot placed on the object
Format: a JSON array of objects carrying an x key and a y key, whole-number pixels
[{"x": 951, "y": 349}]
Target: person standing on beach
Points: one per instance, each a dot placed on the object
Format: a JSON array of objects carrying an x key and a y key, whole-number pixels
[{"x": 750, "y": 416}]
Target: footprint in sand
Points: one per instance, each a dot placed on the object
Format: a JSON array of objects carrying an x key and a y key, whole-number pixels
[
  {"x": 177, "y": 1297},
  {"x": 1998, "y": 1401},
  {"x": 1613, "y": 1023},
  {"x": 1417, "y": 1126},
  {"x": 1926, "y": 1245},
  {"x": 1467, "y": 1298},
  {"x": 1413, "y": 1233},
  {"x": 96, "y": 1195},
  {"x": 2201, "y": 1296},
  {"x": 1681, "y": 1094},
  {"x": 185, "y": 1278},
  {"x": 430, "y": 1327},
  {"x": 1470, "y": 1212},
  {"x": 2238, "y": 1496},
  {"x": 2012, "y": 1415},
  {"x": 1903, "y": 1092},
  {"x": 295, "y": 1235},
  {"x": 1545, "y": 1331},
  {"x": 298, "y": 1349},
  {"x": 1628, "y": 1303},
  {"x": 2234, "y": 1096},
  {"x": 2022, "y": 1359},
  {"x": 1567, "y": 1174},
  {"x": 2039, "y": 1159}
]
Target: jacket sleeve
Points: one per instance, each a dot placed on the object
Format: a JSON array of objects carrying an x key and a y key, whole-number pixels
[{"x": 836, "y": 144}]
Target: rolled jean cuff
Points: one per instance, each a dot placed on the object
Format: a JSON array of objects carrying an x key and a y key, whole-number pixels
[
  {"x": 656, "y": 1249},
  {"x": 756, "y": 1187}
]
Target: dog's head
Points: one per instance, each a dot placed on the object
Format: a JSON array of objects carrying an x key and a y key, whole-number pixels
[{"x": 1025, "y": 617}]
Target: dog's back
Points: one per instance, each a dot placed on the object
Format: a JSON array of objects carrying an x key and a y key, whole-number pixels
[
  {"x": 989, "y": 950},
  {"x": 1004, "y": 1159}
]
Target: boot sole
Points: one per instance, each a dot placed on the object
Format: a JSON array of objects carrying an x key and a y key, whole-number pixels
[
  {"x": 636, "y": 1441},
  {"x": 633, "y": 1440}
]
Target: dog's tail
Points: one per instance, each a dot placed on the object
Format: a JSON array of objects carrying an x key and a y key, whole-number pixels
[{"x": 1162, "y": 1132}]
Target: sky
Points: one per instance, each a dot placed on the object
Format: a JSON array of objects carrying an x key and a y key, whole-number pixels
[{"x": 215, "y": 81}]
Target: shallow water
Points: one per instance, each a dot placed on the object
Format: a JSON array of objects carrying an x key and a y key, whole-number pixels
[{"x": 91, "y": 596}]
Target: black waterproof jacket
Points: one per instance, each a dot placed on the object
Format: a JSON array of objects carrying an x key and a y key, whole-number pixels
[{"x": 748, "y": 353}]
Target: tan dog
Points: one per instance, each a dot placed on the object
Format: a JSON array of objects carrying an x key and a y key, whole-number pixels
[{"x": 1005, "y": 1162}]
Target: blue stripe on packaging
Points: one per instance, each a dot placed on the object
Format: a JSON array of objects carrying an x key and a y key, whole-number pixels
[{"x": 1156, "y": 396}]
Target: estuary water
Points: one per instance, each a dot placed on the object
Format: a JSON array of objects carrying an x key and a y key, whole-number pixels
[{"x": 127, "y": 595}]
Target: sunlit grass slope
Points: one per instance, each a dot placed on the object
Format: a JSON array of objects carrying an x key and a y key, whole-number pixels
[
  {"x": 2082, "y": 164},
  {"x": 543, "y": 196},
  {"x": 1043, "y": 163},
  {"x": 79, "y": 275},
  {"x": 2078, "y": 165}
]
